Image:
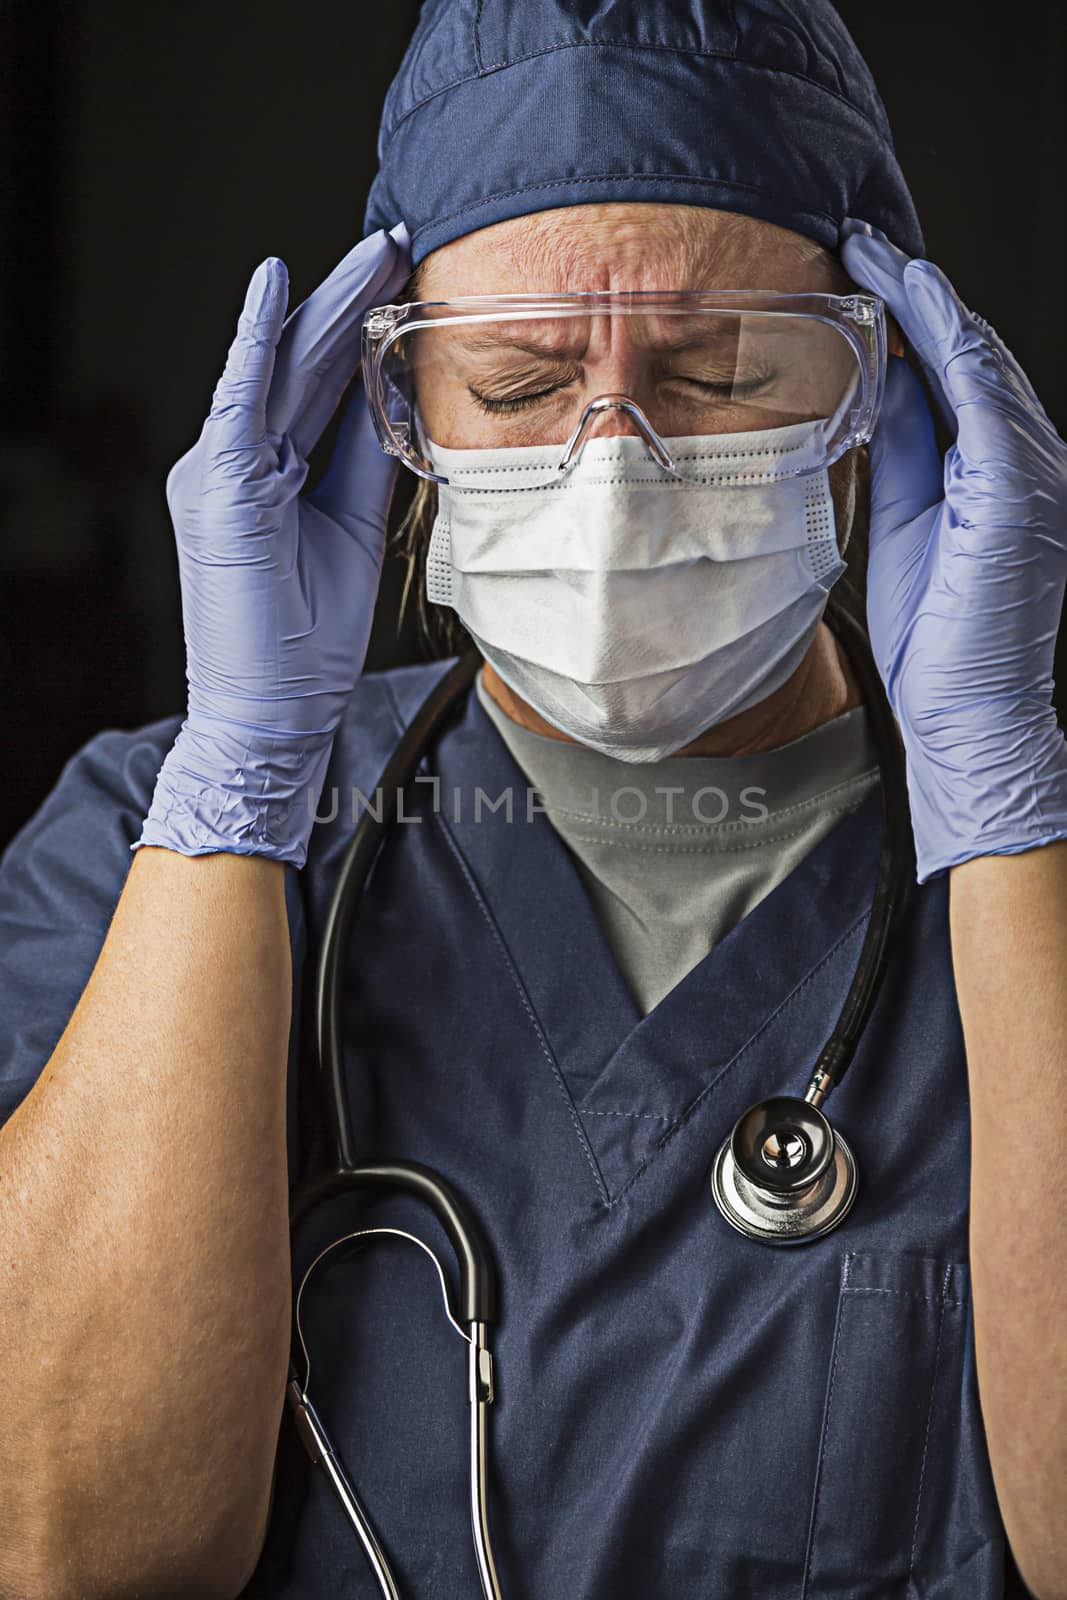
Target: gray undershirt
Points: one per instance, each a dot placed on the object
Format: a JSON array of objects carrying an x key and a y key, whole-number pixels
[{"x": 674, "y": 853}]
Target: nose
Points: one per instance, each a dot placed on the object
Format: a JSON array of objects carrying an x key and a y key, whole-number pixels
[{"x": 616, "y": 409}]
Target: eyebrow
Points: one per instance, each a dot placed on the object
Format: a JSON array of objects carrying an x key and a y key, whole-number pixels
[{"x": 491, "y": 342}]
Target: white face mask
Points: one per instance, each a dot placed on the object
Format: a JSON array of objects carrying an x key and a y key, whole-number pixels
[{"x": 629, "y": 608}]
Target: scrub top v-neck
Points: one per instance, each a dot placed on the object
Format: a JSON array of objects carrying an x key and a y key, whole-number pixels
[
  {"x": 674, "y": 853},
  {"x": 680, "y": 1410}
]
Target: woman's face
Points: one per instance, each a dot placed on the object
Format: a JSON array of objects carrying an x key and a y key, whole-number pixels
[
  {"x": 622, "y": 246},
  {"x": 484, "y": 393}
]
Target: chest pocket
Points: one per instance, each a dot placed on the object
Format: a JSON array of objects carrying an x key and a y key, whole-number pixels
[{"x": 903, "y": 1504}]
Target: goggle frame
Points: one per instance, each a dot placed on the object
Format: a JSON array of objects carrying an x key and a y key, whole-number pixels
[{"x": 860, "y": 318}]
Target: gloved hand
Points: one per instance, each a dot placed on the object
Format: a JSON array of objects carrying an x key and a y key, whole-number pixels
[
  {"x": 966, "y": 576},
  {"x": 277, "y": 591}
]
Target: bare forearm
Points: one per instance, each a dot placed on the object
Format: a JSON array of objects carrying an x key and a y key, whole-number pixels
[
  {"x": 143, "y": 1206},
  {"x": 1009, "y": 944}
]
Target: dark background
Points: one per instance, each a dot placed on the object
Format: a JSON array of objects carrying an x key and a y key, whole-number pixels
[{"x": 153, "y": 155}]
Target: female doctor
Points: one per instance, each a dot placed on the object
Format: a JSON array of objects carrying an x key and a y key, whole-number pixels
[{"x": 564, "y": 1007}]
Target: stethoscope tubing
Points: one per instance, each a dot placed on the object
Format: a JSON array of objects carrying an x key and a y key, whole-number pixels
[
  {"x": 352, "y": 875},
  {"x": 896, "y": 860}
]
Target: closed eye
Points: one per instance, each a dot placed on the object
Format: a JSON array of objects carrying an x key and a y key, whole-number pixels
[
  {"x": 735, "y": 387},
  {"x": 510, "y": 405},
  {"x": 513, "y": 403}
]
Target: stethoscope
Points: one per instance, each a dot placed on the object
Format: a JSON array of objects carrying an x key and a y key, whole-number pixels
[{"x": 783, "y": 1176}]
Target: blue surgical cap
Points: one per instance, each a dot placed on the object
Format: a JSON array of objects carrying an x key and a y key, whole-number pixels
[{"x": 504, "y": 107}]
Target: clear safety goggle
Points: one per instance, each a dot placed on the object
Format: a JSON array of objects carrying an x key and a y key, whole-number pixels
[{"x": 800, "y": 375}]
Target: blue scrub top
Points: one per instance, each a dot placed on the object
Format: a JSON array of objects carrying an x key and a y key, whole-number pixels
[{"x": 681, "y": 1411}]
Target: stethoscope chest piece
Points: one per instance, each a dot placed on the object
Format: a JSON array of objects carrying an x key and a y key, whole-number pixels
[{"x": 784, "y": 1176}]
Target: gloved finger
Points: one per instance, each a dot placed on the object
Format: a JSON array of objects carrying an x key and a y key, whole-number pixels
[
  {"x": 325, "y": 398},
  {"x": 240, "y": 396},
  {"x": 320, "y": 346},
  {"x": 320, "y": 340},
  {"x": 907, "y": 468},
  {"x": 1008, "y": 359},
  {"x": 357, "y": 487},
  {"x": 988, "y": 389},
  {"x": 876, "y": 265}
]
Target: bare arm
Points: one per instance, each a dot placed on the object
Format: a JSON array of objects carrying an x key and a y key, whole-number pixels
[
  {"x": 144, "y": 1313},
  {"x": 144, "y": 1242},
  {"x": 1009, "y": 948}
]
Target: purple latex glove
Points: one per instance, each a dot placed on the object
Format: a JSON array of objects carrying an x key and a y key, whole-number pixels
[
  {"x": 278, "y": 591},
  {"x": 968, "y": 563}
]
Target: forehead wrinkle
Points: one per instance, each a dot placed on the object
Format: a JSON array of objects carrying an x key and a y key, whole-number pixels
[
  {"x": 552, "y": 256},
  {"x": 637, "y": 247},
  {"x": 639, "y": 257},
  {"x": 679, "y": 247}
]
